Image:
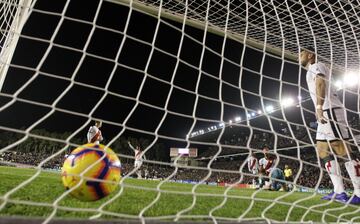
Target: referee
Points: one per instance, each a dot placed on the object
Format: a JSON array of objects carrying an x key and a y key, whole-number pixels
[{"x": 288, "y": 175}]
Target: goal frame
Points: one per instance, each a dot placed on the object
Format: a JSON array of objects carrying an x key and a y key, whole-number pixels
[
  {"x": 12, "y": 38},
  {"x": 246, "y": 40}
]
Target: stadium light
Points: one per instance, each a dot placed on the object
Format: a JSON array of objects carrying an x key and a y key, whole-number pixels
[
  {"x": 237, "y": 119},
  {"x": 230, "y": 121},
  {"x": 339, "y": 84},
  {"x": 253, "y": 114},
  {"x": 351, "y": 79},
  {"x": 287, "y": 102},
  {"x": 269, "y": 108},
  {"x": 259, "y": 112},
  {"x": 299, "y": 98},
  {"x": 248, "y": 115},
  {"x": 221, "y": 124}
]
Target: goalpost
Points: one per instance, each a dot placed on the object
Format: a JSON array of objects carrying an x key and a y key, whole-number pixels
[
  {"x": 13, "y": 17},
  {"x": 218, "y": 76}
]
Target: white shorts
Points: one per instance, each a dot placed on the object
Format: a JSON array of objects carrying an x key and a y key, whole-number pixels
[
  {"x": 138, "y": 163},
  {"x": 336, "y": 127}
]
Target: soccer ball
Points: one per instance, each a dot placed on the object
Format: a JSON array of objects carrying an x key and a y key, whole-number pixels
[{"x": 99, "y": 180}]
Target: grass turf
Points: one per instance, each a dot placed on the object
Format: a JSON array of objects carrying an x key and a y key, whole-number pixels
[{"x": 37, "y": 198}]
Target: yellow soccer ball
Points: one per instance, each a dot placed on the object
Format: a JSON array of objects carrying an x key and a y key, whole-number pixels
[{"x": 99, "y": 180}]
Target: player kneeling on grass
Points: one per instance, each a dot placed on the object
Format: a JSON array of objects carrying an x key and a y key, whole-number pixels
[{"x": 277, "y": 174}]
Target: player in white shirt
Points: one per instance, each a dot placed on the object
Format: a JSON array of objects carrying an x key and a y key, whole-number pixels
[
  {"x": 332, "y": 128},
  {"x": 94, "y": 134},
  {"x": 267, "y": 162},
  {"x": 252, "y": 164},
  {"x": 265, "y": 166},
  {"x": 138, "y": 158}
]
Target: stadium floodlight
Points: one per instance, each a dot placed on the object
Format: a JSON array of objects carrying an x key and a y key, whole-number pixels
[
  {"x": 248, "y": 115},
  {"x": 221, "y": 124},
  {"x": 259, "y": 112},
  {"x": 269, "y": 108},
  {"x": 230, "y": 121},
  {"x": 253, "y": 114},
  {"x": 350, "y": 79},
  {"x": 339, "y": 84},
  {"x": 287, "y": 102},
  {"x": 299, "y": 98},
  {"x": 237, "y": 119}
]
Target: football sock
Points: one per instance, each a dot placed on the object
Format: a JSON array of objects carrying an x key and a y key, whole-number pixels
[
  {"x": 353, "y": 169},
  {"x": 333, "y": 169}
]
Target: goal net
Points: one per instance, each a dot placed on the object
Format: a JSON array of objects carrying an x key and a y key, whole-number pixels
[{"x": 200, "y": 86}]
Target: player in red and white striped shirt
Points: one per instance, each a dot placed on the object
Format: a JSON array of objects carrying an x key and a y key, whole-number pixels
[
  {"x": 94, "y": 134},
  {"x": 266, "y": 164},
  {"x": 252, "y": 163},
  {"x": 138, "y": 158}
]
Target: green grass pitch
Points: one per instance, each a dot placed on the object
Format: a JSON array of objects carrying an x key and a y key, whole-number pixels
[{"x": 36, "y": 200}]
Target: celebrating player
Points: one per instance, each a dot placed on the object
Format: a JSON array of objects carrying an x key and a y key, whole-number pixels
[
  {"x": 94, "y": 134},
  {"x": 332, "y": 128},
  {"x": 138, "y": 159}
]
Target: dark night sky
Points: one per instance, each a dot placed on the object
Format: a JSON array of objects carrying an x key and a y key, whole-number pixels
[{"x": 95, "y": 68}]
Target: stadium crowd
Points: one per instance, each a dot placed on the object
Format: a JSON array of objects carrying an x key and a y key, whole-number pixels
[{"x": 31, "y": 159}]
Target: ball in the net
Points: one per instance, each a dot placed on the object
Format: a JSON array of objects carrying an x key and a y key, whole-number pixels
[{"x": 91, "y": 172}]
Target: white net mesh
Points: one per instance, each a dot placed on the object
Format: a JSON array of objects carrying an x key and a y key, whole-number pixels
[
  {"x": 331, "y": 26},
  {"x": 219, "y": 76}
]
